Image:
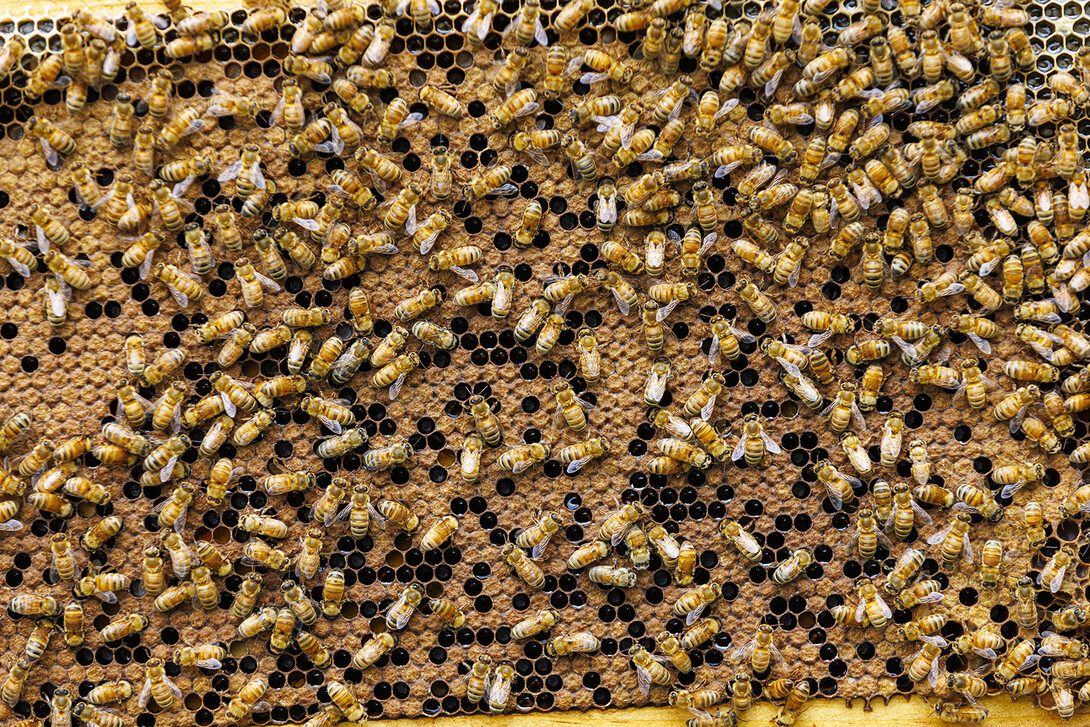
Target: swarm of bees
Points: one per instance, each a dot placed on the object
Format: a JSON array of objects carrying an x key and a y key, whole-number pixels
[{"x": 902, "y": 148}]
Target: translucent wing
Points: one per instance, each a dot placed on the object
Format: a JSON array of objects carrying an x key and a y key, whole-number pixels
[
  {"x": 268, "y": 284},
  {"x": 622, "y": 306},
  {"x": 938, "y": 537},
  {"x": 1057, "y": 580},
  {"x": 656, "y": 386},
  {"x": 706, "y": 410},
  {"x": 770, "y": 444},
  {"x": 145, "y": 266},
  {"x": 666, "y": 310},
  {"x": 643, "y": 679},
  {"x": 230, "y": 172},
  {"x": 58, "y": 299},
  {"x": 395, "y": 388},
  {"x": 577, "y": 465},
  {"x": 695, "y": 614},
  {"x": 145, "y": 693},
  {"x": 168, "y": 470},
  {"x": 982, "y": 344},
  {"x": 469, "y": 275}
]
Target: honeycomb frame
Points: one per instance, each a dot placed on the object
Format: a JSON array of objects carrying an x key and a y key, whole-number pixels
[{"x": 412, "y": 683}]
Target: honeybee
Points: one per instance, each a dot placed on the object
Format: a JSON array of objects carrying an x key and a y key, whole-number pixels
[
  {"x": 158, "y": 686},
  {"x": 758, "y": 302},
  {"x": 374, "y": 649}
]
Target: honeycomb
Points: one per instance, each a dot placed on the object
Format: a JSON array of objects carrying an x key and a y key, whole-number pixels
[{"x": 66, "y": 377}]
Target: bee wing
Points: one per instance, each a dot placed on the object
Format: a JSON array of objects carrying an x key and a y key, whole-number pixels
[
  {"x": 331, "y": 425},
  {"x": 43, "y": 241},
  {"x": 578, "y": 464},
  {"x": 747, "y": 545},
  {"x": 499, "y": 691},
  {"x": 666, "y": 310},
  {"x": 770, "y": 443},
  {"x": 983, "y": 345},
  {"x": 145, "y": 266},
  {"x": 860, "y": 611},
  {"x": 1057, "y": 580},
  {"x": 268, "y": 284},
  {"x": 539, "y": 549},
  {"x": 166, "y": 472},
  {"x": 536, "y": 154},
  {"x": 772, "y": 85},
  {"x": 643, "y": 680},
  {"x": 410, "y": 220},
  {"x": 834, "y": 497},
  {"x": 484, "y": 25},
  {"x": 656, "y": 388},
  {"x": 58, "y": 299},
  {"x": 106, "y": 596},
  {"x": 695, "y": 614},
  {"x": 938, "y": 537},
  {"x": 934, "y": 641},
  {"x": 1017, "y": 419},
  {"x": 539, "y": 34},
  {"x": 713, "y": 350},
  {"x": 967, "y": 548},
  {"x": 526, "y": 110},
  {"x": 395, "y": 388},
  {"x": 18, "y": 267},
  {"x": 891, "y": 444},
  {"x": 145, "y": 693},
  {"x": 860, "y": 461},
  {"x": 1008, "y": 490},
  {"x": 259, "y": 178},
  {"x": 882, "y": 606},
  {"x": 607, "y": 208},
  {"x": 963, "y": 385},
  {"x": 743, "y": 652},
  {"x": 706, "y": 410},
  {"x": 51, "y": 157},
  {"x": 921, "y": 513},
  {"x": 933, "y": 674},
  {"x": 469, "y": 275},
  {"x": 853, "y": 481},
  {"x": 230, "y": 172},
  {"x": 622, "y": 306},
  {"x": 210, "y": 664},
  {"x": 507, "y": 190},
  {"x": 12, "y": 526},
  {"x": 229, "y": 407},
  {"x": 819, "y": 338}
]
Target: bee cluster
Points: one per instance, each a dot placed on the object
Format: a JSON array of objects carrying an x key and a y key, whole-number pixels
[{"x": 290, "y": 286}]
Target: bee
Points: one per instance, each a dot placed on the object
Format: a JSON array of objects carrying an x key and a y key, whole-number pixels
[
  {"x": 158, "y": 686},
  {"x": 332, "y": 593},
  {"x": 588, "y": 554},
  {"x": 374, "y": 649},
  {"x": 758, "y": 302},
  {"x": 488, "y": 425},
  {"x": 397, "y": 513},
  {"x": 649, "y": 669},
  {"x": 520, "y": 458},
  {"x": 1055, "y": 569},
  {"x": 539, "y": 623},
  {"x": 793, "y": 567},
  {"x": 102, "y": 531},
  {"x": 1037, "y": 431},
  {"x": 760, "y": 651},
  {"x": 282, "y": 628},
  {"x": 246, "y": 701},
  {"x": 1020, "y": 657},
  {"x": 742, "y": 540}
]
